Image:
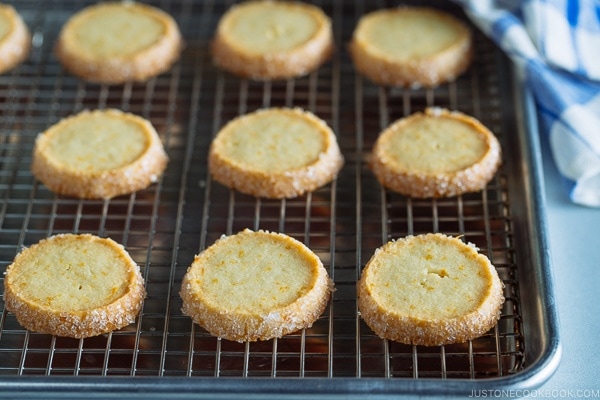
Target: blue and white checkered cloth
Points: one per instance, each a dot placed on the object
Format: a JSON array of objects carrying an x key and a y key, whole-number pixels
[{"x": 556, "y": 45}]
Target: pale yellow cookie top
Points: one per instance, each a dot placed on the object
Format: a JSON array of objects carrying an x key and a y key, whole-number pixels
[
  {"x": 433, "y": 143},
  {"x": 253, "y": 272},
  {"x": 72, "y": 272},
  {"x": 96, "y": 141},
  {"x": 429, "y": 277},
  {"x": 115, "y": 29},
  {"x": 265, "y": 26},
  {"x": 407, "y": 33},
  {"x": 7, "y": 23},
  {"x": 273, "y": 140}
]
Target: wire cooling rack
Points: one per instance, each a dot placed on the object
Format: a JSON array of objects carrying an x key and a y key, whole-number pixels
[{"x": 164, "y": 226}]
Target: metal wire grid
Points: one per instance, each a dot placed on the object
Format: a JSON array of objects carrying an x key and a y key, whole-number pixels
[{"x": 164, "y": 226}]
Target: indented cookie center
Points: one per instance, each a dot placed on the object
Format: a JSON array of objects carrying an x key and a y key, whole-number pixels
[
  {"x": 272, "y": 142},
  {"x": 428, "y": 281},
  {"x": 5, "y": 25},
  {"x": 406, "y": 35},
  {"x": 72, "y": 276},
  {"x": 251, "y": 274},
  {"x": 264, "y": 28},
  {"x": 86, "y": 143},
  {"x": 117, "y": 32},
  {"x": 437, "y": 145}
]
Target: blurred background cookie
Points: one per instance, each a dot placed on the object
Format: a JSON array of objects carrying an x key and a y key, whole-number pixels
[
  {"x": 411, "y": 47},
  {"x": 116, "y": 42},
  {"x": 15, "y": 38},
  {"x": 268, "y": 39}
]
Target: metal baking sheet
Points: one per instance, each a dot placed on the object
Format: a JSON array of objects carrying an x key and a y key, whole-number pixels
[{"x": 164, "y": 354}]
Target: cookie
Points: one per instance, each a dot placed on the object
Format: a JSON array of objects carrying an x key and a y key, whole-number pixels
[
  {"x": 116, "y": 42},
  {"x": 411, "y": 47},
  {"x": 438, "y": 153},
  {"x": 267, "y": 39},
  {"x": 429, "y": 290},
  {"x": 15, "y": 38},
  {"x": 255, "y": 286},
  {"x": 74, "y": 286},
  {"x": 99, "y": 155},
  {"x": 275, "y": 153}
]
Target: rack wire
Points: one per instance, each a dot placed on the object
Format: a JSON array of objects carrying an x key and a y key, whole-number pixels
[{"x": 164, "y": 226}]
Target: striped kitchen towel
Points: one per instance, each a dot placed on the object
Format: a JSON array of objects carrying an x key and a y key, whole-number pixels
[{"x": 556, "y": 46}]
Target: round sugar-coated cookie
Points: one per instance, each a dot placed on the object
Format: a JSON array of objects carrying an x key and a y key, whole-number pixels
[
  {"x": 119, "y": 41},
  {"x": 437, "y": 153},
  {"x": 275, "y": 153},
  {"x": 411, "y": 47},
  {"x": 74, "y": 286},
  {"x": 430, "y": 290},
  {"x": 99, "y": 154},
  {"x": 267, "y": 40},
  {"x": 255, "y": 285},
  {"x": 15, "y": 38}
]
